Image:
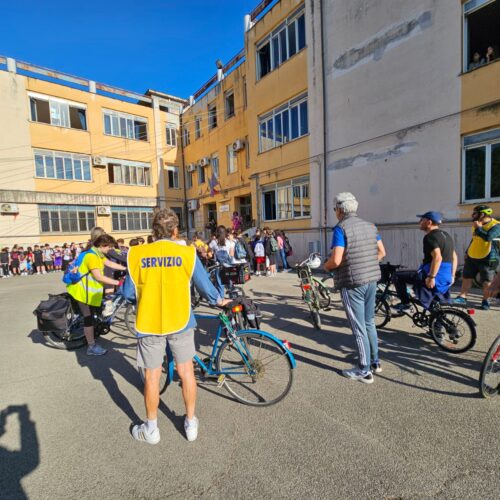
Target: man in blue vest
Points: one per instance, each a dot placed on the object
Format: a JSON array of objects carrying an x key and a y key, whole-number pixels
[{"x": 356, "y": 252}]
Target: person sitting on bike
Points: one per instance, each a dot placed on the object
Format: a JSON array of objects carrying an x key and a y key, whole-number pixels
[
  {"x": 203, "y": 251},
  {"x": 88, "y": 292},
  {"x": 437, "y": 272},
  {"x": 483, "y": 254},
  {"x": 356, "y": 252},
  {"x": 162, "y": 272}
]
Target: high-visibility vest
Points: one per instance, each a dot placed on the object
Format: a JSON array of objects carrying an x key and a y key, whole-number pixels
[
  {"x": 88, "y": 290},
  {"x": 479, "y": 248},
  {"x": 161, "y": 273}
]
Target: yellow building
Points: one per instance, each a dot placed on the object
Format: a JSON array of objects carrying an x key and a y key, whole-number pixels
[
  {"x": 246, "y": 135},
  {"x": 74, "y": 158}
]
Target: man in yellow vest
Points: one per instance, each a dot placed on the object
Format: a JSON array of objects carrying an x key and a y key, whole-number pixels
[
  {"x": 482, "y": 255},
  {"x": 162, "y": 272}
]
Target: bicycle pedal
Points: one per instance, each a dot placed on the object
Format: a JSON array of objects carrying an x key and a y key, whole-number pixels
[{"x": 220, "y": 380}]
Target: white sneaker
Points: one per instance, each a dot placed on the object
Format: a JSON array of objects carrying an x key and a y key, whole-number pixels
[
  {"x": 44, "y": 272},
  {"x": 191, "y": 428},
  {"x": 141, "y": 433},
  {"x": 107, "y": 309}
]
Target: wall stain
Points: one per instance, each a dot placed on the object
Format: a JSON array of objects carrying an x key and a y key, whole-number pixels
[
  {"x": 377, "y": 45},
  {"x": 365, "y": 158}
]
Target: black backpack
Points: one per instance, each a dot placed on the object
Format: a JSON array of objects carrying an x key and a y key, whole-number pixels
[{"x": 54, "y": 314}]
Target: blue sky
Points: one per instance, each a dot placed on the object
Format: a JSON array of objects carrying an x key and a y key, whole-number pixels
[{"x": 165, "y": 45}]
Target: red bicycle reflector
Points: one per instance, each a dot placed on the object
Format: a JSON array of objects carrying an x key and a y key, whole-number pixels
[
  {"x": 496, "y": 355},
  {"x": 237, "y": 309},
  {"x": 307, "y": 287},
  {"x": 286, "y": 344},
  {"x": 471, "y": 312}
]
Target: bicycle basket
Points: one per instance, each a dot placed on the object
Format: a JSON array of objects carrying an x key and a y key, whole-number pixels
[
  {"x": 237, "y": 275},
  {"x": 54, "y": 313}
]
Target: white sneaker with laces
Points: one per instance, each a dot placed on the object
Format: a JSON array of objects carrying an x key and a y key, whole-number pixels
[
  {"x": 356, "y": 374},
  {"x": 191, "y": 428},
  {"x": 141, "y": 433}
]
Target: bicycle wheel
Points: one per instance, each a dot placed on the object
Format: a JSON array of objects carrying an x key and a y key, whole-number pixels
[
  {"x": 69, "y": 340},
  {"x": 489, "y": 380},
  {"x": 130, "y": 318},
  {"x": 329, "y": 283},
  {"x": 164, "y": 377},
  {"x": 382, "y": 313},
  {"x": 260, "y": 375},
  {"x": 323, "y": 293},
  {"x": 316, "y": 318},
  {"x": 195, "y": 297},
  {"x": 453, "y": 330}
]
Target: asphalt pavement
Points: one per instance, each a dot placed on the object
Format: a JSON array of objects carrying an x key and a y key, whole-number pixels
[{"x": 421, "y": 430}]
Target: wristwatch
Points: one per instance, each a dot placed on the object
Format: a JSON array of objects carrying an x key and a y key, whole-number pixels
[{"x": 431, "y": 277}]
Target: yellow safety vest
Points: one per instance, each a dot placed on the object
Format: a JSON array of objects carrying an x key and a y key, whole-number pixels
[
  {"x": 161, "y": 272},
  {"x": 88, "y": 290},
  {"x": 479, "y": 248}
]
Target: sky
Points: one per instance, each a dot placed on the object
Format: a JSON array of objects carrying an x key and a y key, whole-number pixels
[{"x": 166, "y": 45}]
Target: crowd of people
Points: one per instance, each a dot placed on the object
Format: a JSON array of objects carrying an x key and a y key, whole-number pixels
[{"x": 478, "y": 60}]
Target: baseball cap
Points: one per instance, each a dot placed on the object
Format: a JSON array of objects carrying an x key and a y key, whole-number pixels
[{"x": 435, "y": 217}]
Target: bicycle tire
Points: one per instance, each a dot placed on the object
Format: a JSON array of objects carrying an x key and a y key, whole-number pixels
[
  {"x": 446, "y": 333},
  {"x": 316, "y": 318},
  {"x": 195, "y": 297},
  {"x": 323, "y": 293},
  {"x": 334, "y": 293},
  {"x": 130, "y": 318},
  {"x": 382, "y": 313},
  {"x": 54, "y": 340},
  {"x": 490, "y": 366},
  {"x": 164, "y": 377},
  {"x": 251, "y": 389}
]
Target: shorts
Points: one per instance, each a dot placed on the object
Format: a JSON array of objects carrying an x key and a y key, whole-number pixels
[
  {"x": 151, "y": 348},
  {"x": 260, "y": 260},
  {"x": 47, "y": 263},
  {"x": 485, "y": 268},
  {"x": 15, "y": 263}
]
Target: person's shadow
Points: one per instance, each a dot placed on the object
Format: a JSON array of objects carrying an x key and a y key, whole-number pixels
[{"x": 14, "y": 465}]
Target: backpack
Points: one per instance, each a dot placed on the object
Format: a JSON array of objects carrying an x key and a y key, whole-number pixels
[
  {"x": 274, "y": 244},
  {"x": 222, "y": 257},
  {"x": 287, "y": 247},
  {"x": 259, "y": 249},
  {"x": 72, "y": 275},
  {"x": 54, "y": 313},
  {"x": 239, "y": 250}
]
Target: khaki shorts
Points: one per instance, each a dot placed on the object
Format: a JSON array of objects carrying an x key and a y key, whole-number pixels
[{"x": 152, "y": 349}]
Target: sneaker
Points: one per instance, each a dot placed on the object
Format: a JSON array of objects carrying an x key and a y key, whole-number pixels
[
  {"x": 485, "y": 305},
  {"x": 460, "y": 301},
  {"x": 357, "y": 374},
  {"x": 140, "y": 433},
  {"x": 401, "y": 307},
  {"x": 376, "y": 368},
  {"x": 191, "y": 428},
  {"x": 107, "y": 309},
  {"x": 96, "y": 350}
]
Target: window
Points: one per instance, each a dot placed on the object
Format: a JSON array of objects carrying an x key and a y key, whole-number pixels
[
  {"x": 229, "y": 104},
  {"x": 215, "y": 166},
  {"x": 247, "y": 153},
  {"x": 125, "y": 125},
  {"x": 58, "y": 112},
  {"x": 212, "y": 116},
  {"x": 189, "y": 179},
  {"x": 481, "y": 33},
  {"x": 245, "y": 92},
  {"x": 131, "y": 218},
  {"x": 64, "y": 166},
  {"x": 481, "y": 172},
  {"x": 185, "y": 136},
  {"x": 286, "y": 200},
  {"x": 232, "y": 160},
  {"x": 171, "y": 134},
  {"x": 173, "y": 177},
  {"x": 129, "y": 173},
  {"x": 179, "y": 214},
  {"x": 201, "y": 174},
  {"x": 283, "y": 124},
  {"x": 284, "y": 42},
  {"x": 66, "y": 219},
  {"x": 197, "y": 127}
]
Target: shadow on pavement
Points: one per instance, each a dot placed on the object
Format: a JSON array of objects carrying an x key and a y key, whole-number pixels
[{"x": 15, "y": 464}]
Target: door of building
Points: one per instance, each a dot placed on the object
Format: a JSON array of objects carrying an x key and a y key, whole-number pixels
[{"x": 245, "y": 210}]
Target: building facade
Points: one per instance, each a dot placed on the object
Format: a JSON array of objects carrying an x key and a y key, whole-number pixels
[{"x": 74, "y": 158}]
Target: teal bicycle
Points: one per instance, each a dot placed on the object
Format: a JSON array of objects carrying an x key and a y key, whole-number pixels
[{"x": 253, "y": 365}]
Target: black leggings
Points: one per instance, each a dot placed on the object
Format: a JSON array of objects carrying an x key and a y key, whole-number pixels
[
  {"x": 5, "y": 268},
  {"x": 87, "y": 313}
]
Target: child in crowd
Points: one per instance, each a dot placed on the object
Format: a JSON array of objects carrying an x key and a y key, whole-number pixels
[
  {"x": 38, "y": 260},
  {"x": 47, "y": 258},
  {"x": 5, "y": 261},
  {"x": 14, "y": 261},
  {"x": 23, "y": 263},
  {"x": 57, "y": 258},
  {"x": 260, "y": 255}
]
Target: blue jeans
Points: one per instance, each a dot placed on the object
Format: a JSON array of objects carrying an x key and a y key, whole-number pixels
[
  {"x": 283, "y": 258},
  {"x": 218, "y": 285},
  {"x": 359, "y": 304}
]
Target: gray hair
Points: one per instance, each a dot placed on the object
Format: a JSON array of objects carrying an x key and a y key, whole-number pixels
[{"x": 346, "y": 202}]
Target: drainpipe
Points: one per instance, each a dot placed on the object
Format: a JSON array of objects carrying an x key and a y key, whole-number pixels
[
  {"x": 323, "y": 79},
  {"x": 179, "y": 142}
]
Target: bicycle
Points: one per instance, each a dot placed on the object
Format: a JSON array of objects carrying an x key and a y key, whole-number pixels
[
  {"x": 451, "y": 328},
  {"x": 314, "y": 292},
  {"x": 329, "y": 283},
  {"x": 254, "y": 366},
  {"x": 489, "y": 378}
]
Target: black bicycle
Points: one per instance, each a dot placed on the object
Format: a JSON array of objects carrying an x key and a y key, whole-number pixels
[
  {"x": 489, "y": 380},
  {"x": 451, "y": 327}
]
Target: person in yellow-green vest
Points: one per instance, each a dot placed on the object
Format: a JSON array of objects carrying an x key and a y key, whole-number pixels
[
  {"x": 162, "y": 272},
  {"x": 88, "y": 292},
  {"x": 482, "y": 254}
]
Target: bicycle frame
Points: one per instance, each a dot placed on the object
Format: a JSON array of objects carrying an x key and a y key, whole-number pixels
[{"x": 306, "y": 284}]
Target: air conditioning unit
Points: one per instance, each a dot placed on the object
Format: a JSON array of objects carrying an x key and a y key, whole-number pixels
[
  {"x": 238, "y": 144},
  {"x": 204, "y": 162},
  {"x": 191, "y": 167},
  {"x": 192, "y": 205},
  {"x": 9, "y": 208},
  {"x": 104, "y": 210},
  {"x": 98, "y": 161}
]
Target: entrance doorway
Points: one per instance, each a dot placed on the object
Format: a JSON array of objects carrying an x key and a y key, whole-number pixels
[
  {"x": 245, "y": 210},
  {"x": 211, "y": 217}
]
